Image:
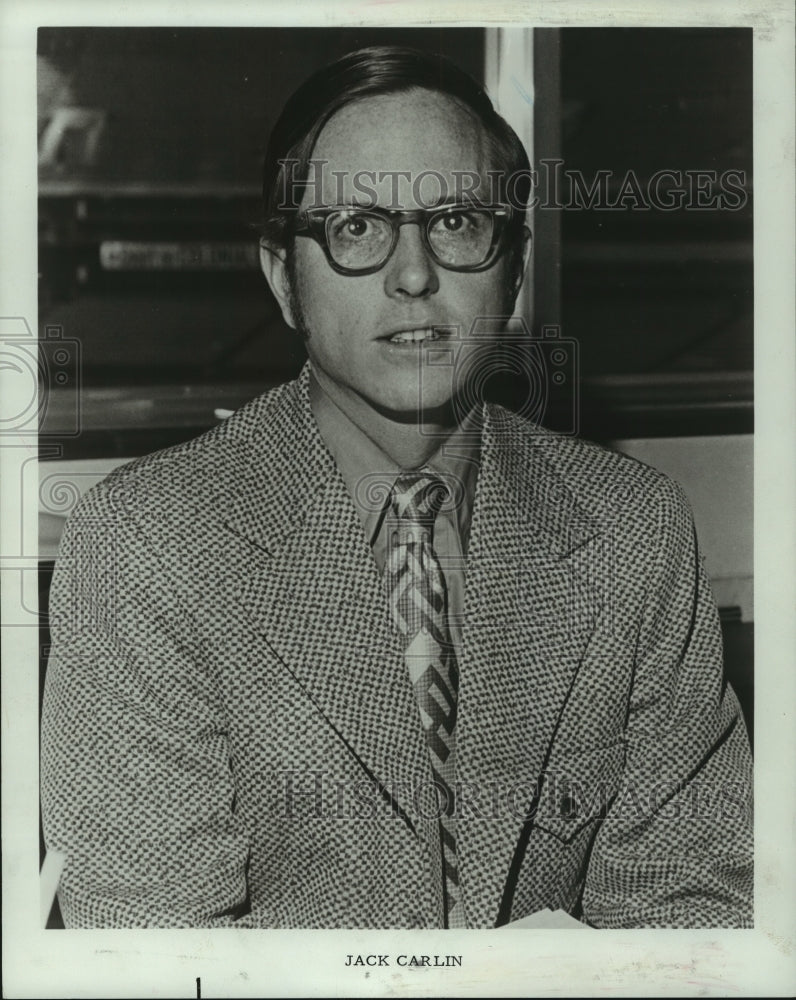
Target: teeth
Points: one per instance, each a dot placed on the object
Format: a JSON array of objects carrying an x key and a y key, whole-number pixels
[{"x": 411, "y": 336}]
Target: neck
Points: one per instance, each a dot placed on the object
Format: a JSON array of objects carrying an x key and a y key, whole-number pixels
[{"x": 409, "y": 444}]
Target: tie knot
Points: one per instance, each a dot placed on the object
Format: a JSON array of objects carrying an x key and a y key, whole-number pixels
[{"x": 418, "y": 496}]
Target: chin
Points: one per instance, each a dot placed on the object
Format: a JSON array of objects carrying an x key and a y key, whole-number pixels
[
  {"x": 431, "y": 390},
  {"x": 434, "y": 408}
]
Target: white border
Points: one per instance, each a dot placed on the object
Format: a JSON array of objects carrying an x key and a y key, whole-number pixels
[{"x": 271, "y": 963}]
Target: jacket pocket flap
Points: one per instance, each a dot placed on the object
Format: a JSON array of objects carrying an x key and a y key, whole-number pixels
[{"x": 577, "y": 789}]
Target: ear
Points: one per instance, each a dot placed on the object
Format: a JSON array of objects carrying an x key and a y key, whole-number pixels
[
  {"x": 273, "y": 261},
  {"x": 521, "y": 262}
]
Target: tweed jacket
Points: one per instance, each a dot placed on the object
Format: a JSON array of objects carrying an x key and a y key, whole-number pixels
[{"x": 229, "y": 734}]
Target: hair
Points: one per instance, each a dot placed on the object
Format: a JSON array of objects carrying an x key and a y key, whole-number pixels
[{"x": 370, "y": 72}]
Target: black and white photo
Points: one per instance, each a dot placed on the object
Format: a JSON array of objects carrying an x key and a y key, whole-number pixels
[{"x": 387, "y": 497}]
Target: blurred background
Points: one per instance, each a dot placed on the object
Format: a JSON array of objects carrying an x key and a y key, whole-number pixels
[{"x": 154, "y": 318}]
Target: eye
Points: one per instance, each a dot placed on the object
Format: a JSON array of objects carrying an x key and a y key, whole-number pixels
[
  {"x": 351, "y": 226},
  {"x": 463, "y": 223},
  {"x": 356, "y": 225},
  {"x": 453, "y": 222}
]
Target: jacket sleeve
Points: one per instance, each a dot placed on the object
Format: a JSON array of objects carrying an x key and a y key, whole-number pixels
[
  {"x": 137, "y": 789},
  {"x": 675, "y": 848}
]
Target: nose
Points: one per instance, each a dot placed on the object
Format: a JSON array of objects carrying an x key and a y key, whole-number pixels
[{"x": 410, "y": 272}]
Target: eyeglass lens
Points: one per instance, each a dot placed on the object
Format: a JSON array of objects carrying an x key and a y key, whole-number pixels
[{"x": 360, "y": 239}]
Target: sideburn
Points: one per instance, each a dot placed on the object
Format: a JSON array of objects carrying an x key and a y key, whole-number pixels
[{"x": 294, "y": 298}]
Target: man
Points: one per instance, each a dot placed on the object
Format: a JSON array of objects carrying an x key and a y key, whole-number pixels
[{"x": 371, "y": 653}]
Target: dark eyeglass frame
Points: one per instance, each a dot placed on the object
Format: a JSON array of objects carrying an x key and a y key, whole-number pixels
[{"x": 312, "y": 223}]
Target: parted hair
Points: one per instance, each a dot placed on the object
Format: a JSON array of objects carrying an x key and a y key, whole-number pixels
[{"x": 370, "y": 72}]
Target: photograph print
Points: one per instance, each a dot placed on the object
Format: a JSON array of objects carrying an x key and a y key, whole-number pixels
[{"x": 396, "y": 477}]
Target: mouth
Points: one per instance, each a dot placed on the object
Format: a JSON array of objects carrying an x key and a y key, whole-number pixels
[{"x": 421, "y": 335}]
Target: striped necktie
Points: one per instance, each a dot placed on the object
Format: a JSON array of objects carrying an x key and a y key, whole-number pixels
[{"x": 419, "y": 604}]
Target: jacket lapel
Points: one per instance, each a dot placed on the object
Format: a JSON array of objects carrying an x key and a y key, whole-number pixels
[
  {"x": 317, "y": 599},
  {"x": 529, "y": 614}
]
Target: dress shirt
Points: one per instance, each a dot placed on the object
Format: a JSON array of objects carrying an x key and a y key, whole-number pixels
[{"x": 369, "y": 475}]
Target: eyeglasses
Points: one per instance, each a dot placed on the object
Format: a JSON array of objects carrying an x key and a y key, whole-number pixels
[{"x": 459, "y": 237}]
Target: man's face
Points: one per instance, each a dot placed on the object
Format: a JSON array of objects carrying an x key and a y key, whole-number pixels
[{"x": 349, "y": 320}]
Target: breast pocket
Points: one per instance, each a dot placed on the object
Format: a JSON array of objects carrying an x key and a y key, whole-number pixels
[{"x": 577, "y": 790}]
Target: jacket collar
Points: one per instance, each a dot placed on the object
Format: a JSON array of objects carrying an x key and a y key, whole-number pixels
[
  {"x": 283, "y": 464},
  {"x": 280, "y": 466}
]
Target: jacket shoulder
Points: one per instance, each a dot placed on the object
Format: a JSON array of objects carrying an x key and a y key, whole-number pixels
[
  {"x": 190, "y": 474},
  {"x": 596, "y": 475}
]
